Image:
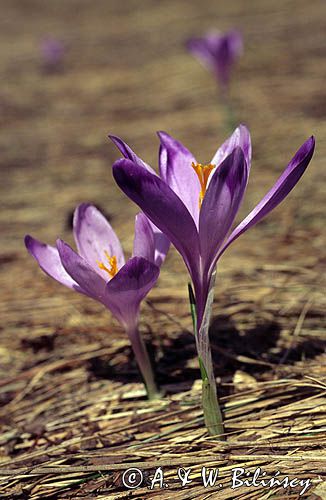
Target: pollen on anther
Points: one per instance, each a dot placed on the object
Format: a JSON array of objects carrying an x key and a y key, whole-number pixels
[
  {"x": 203, "y": 172},
  {"x": 112, "y": 267}
]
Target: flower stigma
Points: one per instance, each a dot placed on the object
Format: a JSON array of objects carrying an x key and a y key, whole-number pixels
[
  {"x": 203, "y": 173},
  {"x": 112, "y": 267}
]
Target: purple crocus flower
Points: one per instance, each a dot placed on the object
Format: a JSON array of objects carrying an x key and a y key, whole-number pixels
[
  {"x": 99, "y": 270},
  {"x": 195, "y": 206},
  {"x": 52, "y": 50},
  {"x": 218, "y": 52}
]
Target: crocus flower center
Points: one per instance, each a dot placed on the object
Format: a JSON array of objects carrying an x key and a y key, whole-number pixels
[
  {"x": 112, "y": 267},
  {"x": 203, "y": 172}
]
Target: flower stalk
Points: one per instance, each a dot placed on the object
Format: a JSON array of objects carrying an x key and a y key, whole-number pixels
[
  {"x": 212, "y": 412},
  {"x": 143, "y": 362},
  {"x": 228, "y": 111}
]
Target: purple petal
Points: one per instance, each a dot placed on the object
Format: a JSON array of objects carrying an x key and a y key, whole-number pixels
[
  {"x": 79, "y": 269},
  {"x": 235, "y": 44},
  {"x": 217, "y": 52},
  {"x": 128, "y": 288},
  {"x": 149, "y": 241},
  {"x": 205, "y": 49},
  {"x": 175, "y": 169},
  {"x": 241, "y": 138},
  {"x": 279, "y": 191},
  {"x": 144, "y": 244},
  {"x": 53, "y": 51},
  {"x": 49, "y": 261},
  {"x": 162, "y": 245},
  {"x": 162, "y": 206},
  {"x": 94, "y": 235},
  {"x": 220, "y": 205},
  {"x": 129, "y": 154}
]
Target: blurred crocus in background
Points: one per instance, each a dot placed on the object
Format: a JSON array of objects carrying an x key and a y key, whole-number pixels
[
  {"x": 99, "y": 270},
  {"x": 52, "y": 53},
  {"x": 195, "y": 205},
  {"x": 218, "y": 52}
]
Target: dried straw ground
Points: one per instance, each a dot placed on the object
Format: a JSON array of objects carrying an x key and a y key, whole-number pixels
[{"x": 73, "y": 412}]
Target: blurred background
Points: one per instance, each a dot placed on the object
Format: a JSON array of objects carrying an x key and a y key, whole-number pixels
[
  {"x": 124, "y": 69},
  {"x": 74, "y": 71}
]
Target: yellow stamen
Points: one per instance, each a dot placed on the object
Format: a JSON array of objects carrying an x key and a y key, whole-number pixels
[
  {"x": 113, "y": 265},
  {"x": 203, "y": 172}
]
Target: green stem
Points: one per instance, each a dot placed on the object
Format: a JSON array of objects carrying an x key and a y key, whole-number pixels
[
  {"x": 143, "y": 362},
  {"x": 230, "y": 121},
  {"x": 211, "y": 409}
]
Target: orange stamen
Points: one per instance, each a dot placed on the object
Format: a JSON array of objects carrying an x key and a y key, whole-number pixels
[
  {"x": 113, "y": 265},
  {"x": 203, "y": 172}
]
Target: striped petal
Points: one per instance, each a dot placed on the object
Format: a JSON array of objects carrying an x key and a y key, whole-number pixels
[
  {"x": 162, "y": 206},
  {"x": 81, "y": 272},
  {"x": 94, "y": 236},
  {"x": 220, "y": 205},
  {"x": 129, "y": 287},
  {"x": 175, "y": 169},
  {"x": 49, "y": 261},
  {"x": 279, "y": 191}
]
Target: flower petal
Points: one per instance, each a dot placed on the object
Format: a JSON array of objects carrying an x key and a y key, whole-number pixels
[
  {"x": 241, "y": 138},
  {"x": 279, "y": 191},
  {"x": 206, "y": 48},
  {"x": 235, "y": 42},
  {"x": 161, "y": 244},
  {"x": 129, "y": 154},
  {"x": 162, "y": 206},
  {"x": 79, "y": 269},
  {"x": 175, "y": 169},
  {"x": 144, "y": 244},
  {"x": 49, "y": 261},
  {"x": 153, "y": 236},
  {"x": 220, "y": 205},
  {"x": 128, "y": 288},
  {"x": 94, "y": 235}
]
